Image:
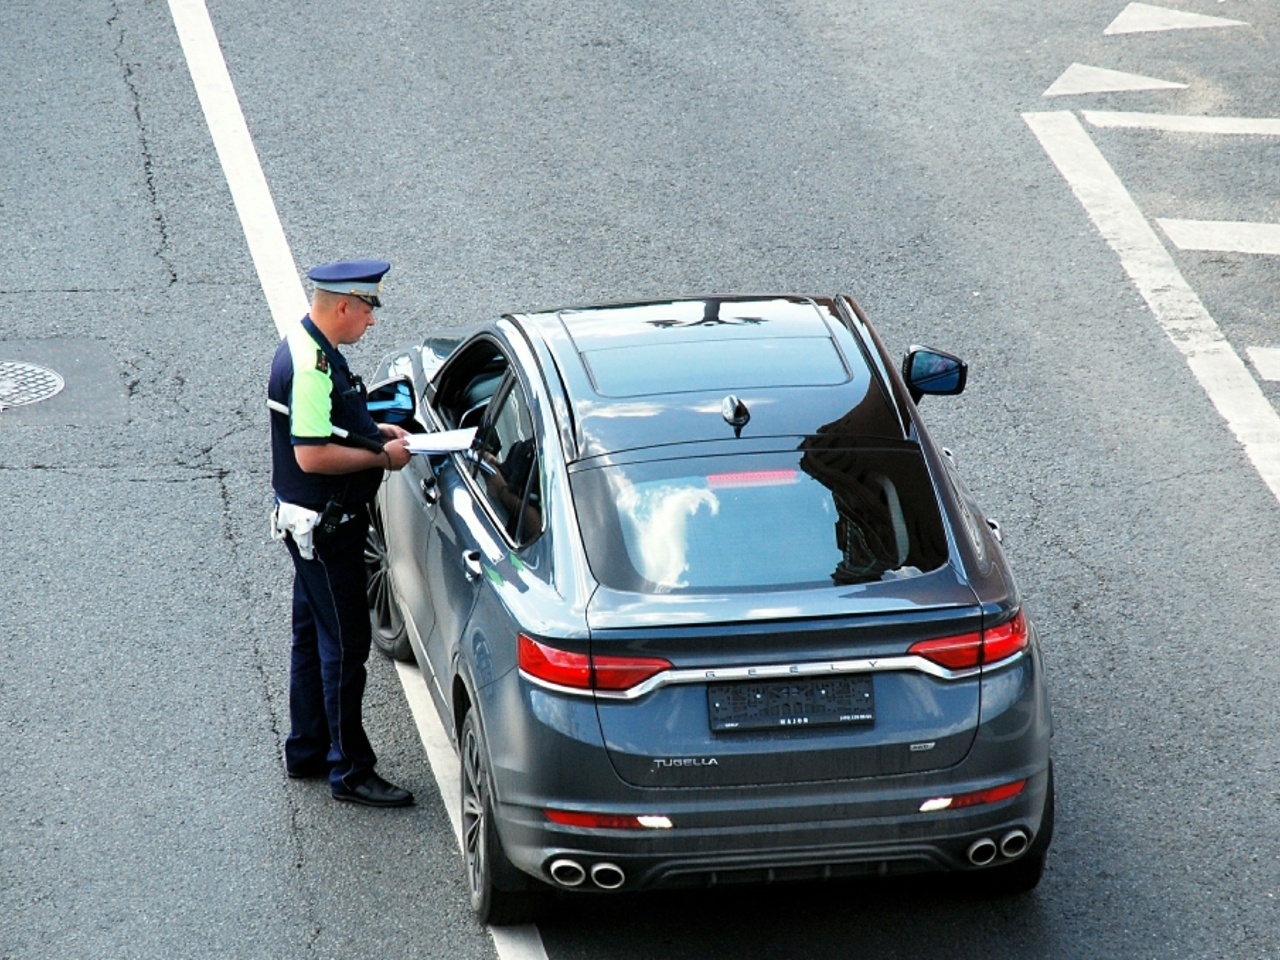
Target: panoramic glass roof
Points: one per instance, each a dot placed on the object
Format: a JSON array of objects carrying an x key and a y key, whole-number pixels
[
  {"x": 637, "y": 371},
  {"x": 693, "y": 345}
]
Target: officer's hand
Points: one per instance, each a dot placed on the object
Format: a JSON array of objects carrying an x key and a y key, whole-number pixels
[
  {"x": 397, "y": 453},
  {"x": 393, "y": 432}
]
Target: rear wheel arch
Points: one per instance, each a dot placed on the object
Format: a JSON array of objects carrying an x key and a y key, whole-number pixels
[{"x": 461, "y": 702}]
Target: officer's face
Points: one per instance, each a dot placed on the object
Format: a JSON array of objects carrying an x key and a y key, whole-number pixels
[{"x": 356, "y": 317}]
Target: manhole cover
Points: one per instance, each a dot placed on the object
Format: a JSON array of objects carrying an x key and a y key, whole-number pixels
[{"x": 22, "y": 383}]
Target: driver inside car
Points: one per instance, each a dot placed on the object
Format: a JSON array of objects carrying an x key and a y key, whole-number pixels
[{"x": 508, "y": 481}]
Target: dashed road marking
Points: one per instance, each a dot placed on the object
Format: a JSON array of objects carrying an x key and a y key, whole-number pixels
[
  {"x": 1218, "y": 368},
  {"x": 1145, "y": 18},
  {"x": 278, "y": 274},
  {"x": 1266, "y": 360},
  {"x": 1223, "y": 236},
  {"x": 1174, "y": 123},
  {"x": 1079, "y": 78}
]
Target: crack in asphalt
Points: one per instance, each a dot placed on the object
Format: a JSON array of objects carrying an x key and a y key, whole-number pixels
[
  {"x": 275, "y": 710},
  {"x": 197, "y": 469},
  {"x": 164, "y": 251}
]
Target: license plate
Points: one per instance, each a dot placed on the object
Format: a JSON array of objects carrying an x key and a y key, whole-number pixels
[{"x": 786, "y": 704}]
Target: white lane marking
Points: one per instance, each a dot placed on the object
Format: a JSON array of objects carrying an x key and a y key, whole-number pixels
[
  {"x": 1079, "y": 78},
  {"x": 440, "y": 752},
  {"x": 280, "y": 281},
  {"x": 1145, "y": 18},
  {"x": 1225, "y": 236},
  {"x": 1266, "y": 360},
  {"x": 1218, "y": 368},
  {"x": 519, "y": 943},
  {"x": 1173, "y": 123},
  {"x": 513, "y": 943},
  {"x": 257, "y": 211}
]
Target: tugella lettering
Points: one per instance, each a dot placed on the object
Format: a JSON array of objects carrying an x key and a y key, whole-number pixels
[{"x": 685, "y": 762}]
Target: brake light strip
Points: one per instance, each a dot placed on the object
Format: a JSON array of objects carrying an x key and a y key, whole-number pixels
[{"x": 780, "y": 672}]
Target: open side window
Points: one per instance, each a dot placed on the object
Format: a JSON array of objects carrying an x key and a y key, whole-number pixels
[{"x": 468, "y": 383}]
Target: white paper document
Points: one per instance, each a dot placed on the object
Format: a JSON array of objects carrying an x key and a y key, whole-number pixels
[{"x": 446, "y": 441}]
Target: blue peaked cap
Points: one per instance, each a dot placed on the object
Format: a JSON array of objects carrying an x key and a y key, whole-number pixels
[{"x": 357, "y": 278}]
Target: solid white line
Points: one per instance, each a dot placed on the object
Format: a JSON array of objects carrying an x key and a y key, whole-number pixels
[
  {"x": 512, "y": 943},
  {"x": 440, "y": 753},
  {"x": 1173, "y": 123},
  {"x": 519, "y": 943},
  {"x": 1225, "y": 236},
  {"x": 1218, "y": 368},
  {"x": 278, "y": 274},
  {"x": 257, "y": 211}
]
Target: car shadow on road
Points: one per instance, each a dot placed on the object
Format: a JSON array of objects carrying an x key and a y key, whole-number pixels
[{"x": 919, "y": 916}]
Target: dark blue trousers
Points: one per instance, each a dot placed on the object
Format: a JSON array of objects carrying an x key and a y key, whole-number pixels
[{"x": 330, "y": 647}]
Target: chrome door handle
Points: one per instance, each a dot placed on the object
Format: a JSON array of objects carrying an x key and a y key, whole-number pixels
[
  {"x": 430, "y": 489},
  {"x": 471, "y": 561}
]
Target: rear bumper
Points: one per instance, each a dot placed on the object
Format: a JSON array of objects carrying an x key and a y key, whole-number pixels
[
  {"x": 738, "y": 842},
  {"x": 810, "y": 830}
]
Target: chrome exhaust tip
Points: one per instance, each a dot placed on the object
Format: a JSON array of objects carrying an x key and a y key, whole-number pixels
[
  {"x": 608, "y": 876},
  {"x": 567, "y": 873},
  {"x": 1014, "y": 843},
  {"x": 981, "y": 852}
]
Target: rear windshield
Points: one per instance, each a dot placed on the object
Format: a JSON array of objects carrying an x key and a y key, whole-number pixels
[{"x": 810, "y": 517}]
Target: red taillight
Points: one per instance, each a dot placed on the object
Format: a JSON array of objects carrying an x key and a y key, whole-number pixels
[
  {"x": 607, "y": 821},
  {"x": 970, "y": 650},
  {"x": 975, "y": 799},
  {"x": 623, "y": 673},
  {"x": 583, "y": 672},
  {"x": 994, "y": 795},
  {"x": 954, "y": 653},
  {"x": 561, "y": 667},
  {"x": 1000, "y": 643}
]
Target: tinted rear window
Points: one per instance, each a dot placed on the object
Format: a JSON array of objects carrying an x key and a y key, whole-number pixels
[{"x": 813, "y": 517}]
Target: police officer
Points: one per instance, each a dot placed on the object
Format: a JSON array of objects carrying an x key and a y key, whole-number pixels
[{"x": 323, "y": 484}]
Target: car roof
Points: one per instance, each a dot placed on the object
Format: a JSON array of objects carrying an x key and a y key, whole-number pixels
[{"x": 655, "y": 373}]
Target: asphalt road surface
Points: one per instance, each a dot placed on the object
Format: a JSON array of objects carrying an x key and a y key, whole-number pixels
[{"x": 513, "y": 154}]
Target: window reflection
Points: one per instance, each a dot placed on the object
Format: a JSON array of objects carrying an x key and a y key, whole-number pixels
[
  {"x": 507, "y": 467},
  {"x": 826, "y": 516},
  {"x": 655, "y": 525}
]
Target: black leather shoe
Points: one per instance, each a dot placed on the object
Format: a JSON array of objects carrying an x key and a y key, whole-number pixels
[
  {"x": 309, "y": 771},
  {"x": 375, "y": 792}
]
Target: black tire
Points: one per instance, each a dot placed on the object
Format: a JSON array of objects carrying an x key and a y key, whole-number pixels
[
  {"x": 385, "y": 620},
  {"x": 1023, "y": 875},
  {"x": 500, "y": 894}
]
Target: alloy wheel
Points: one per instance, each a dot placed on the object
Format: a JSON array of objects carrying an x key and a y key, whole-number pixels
[
  {"x": 385, "y": 620},
  {"x": 473, "y": 815}
]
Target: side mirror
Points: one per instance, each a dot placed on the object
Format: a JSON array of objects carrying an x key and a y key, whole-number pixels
[
  {"x": 392, "y": 402},
  {"x": 932, "y": 371}
]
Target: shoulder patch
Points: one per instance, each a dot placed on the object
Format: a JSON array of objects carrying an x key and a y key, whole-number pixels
[{"x": 322, "y": 362}]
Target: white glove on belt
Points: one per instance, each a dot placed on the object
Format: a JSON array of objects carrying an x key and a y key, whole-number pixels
[{"x": 295, "y": 521}]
